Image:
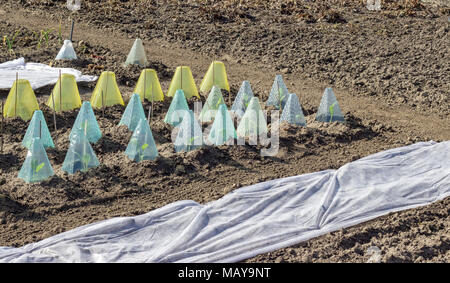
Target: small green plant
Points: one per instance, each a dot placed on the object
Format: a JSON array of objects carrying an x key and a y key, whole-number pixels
[
  {"x": 44, "y": 36},
  {"x": 246, "y": 100},
  {"x": 332, "y": 111},
  {"x": 36, "y": 167},
  {"x": 190, "y": 143},
  {"x": 281, "y": 95},
  {"x": 9, "y": 42},
  {"x": 218, "y": 102},
  {"x": 85, "y": 160},
  {"x": 142, "y": 150}
]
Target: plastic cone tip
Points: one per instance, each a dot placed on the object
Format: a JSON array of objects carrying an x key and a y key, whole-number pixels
[
  {"x": 67, "y": 52},
  {"x": 253, "y": 123},
  {"x": 142, "y": 145},
  {"x": 222, "y": 130},
  {"x": 242, "y": 100},
  {"x": 148, "y": 86},
  {"x": 38, "y": 129},
  {"x": 292, "y": 112},
  {"x": 86, "y": 114},
  {"x": 278, "y": 93},
  {"x": 214, "y": 100},
  {"x": 177, "y": 109},
  {"x": 36, "y": 166},
  {"x": 25, "y": 104},
  {"x": 65, "y": 95},
  {"x": 137, "y": 56},
  {"x": 183, "y": 79},
  {"x": 329, "y": 110},
  {"x": 80, "y": 156},
  {"x": 134, "y": 112},
  {"x": 106, "y": 92},
  {"x": 215, "y": 76},
  {"x": 190, "y": 135}
]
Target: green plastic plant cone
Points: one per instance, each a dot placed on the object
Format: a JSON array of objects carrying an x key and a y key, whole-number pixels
[
  {"x": 183, "y": 79},
  {"x": 215, "y": 76},
  {"x": 65, "y": 94},
  {"x": 107, "y": 86},
  {"x": 66, "y": 52},
  {"x": 190, "y": 134},
  {"x": 36, "y": 167},
  {"x": 38, "y": 129},
  {"x": 177, "y": 109},
  {"x": 253, "y": 123},
  {"x": 26, "y": 102},
  {"x": 242, "y": 99},
  {"x": 142, "y": 145},
  {"x": 133, "y": 113},
  {"x": 137, "y": 54},
  {"x": 329, "y": 110},
  {"x": 214, "y": 100},
  {"x": 148, "y": 85},
  {"x": 292, "y": 112},
  {"x": 80, "y": 156},
  {"x": 222, "y": 130},
  {"x": 279, "y": 90},
  {"x": 93, "y": 130}
]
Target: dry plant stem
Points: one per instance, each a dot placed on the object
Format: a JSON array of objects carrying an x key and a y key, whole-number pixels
[
  {"x": 60, "y": 90},
  {"x": 1, "y": 127},
  {"x": 181, "y": 78},
  {"x": 106, "y": 89},
  {"x": 103, "y": 106},
  {"x": 54, "y": 110},
  {"x": 151, "y": 112},
  {"x": 145, "y": 84},
  {"x": 15, "y": 102}
]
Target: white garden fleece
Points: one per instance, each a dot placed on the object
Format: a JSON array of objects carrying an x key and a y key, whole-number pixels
[
  {"x": 37, "y": 74},
  {"x": 259, "y": 218}
]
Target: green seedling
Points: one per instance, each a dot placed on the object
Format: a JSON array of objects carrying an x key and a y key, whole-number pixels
[
  {"x": 44, "y": 36},
  {"x": 10, "y": 42},
  {"x": 218, "y": 102},
  {"x": 85, "y": 160},
  {"x": 246, "y": 100},
  {"x": 332, "y": 111},
  {"x": 36, "y": 167},
  {"x": 281, "y": 95},
  {"x": 59, "y": 33},
  {"x": 190, "y": 142},
  {"x": 141, "y": 151}
]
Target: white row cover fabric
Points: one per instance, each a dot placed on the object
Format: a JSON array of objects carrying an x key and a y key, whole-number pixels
[
  {"x": 38, "y": 74},
  {"x": 258, "y": 218}
]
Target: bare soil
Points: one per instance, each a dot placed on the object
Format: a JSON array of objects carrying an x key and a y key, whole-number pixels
[{"x": 388, "y": 68}]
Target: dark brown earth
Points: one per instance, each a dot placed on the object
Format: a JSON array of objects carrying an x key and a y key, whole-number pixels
[{"x": 389, "y": 70}]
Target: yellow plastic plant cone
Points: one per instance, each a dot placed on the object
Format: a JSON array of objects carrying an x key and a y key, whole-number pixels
[
  {"x": 111, "y": 93},
  {"x": 26, "y": 102},
  {"x": 216, "y": 75},
  {"x": 68, "y": 98},
  {"x": 148, "y": 85},
  {"x": 183, "y": 79}
]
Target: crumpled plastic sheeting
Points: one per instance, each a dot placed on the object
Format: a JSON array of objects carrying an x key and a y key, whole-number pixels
[
  {"x": 38, "y": 74},
  {"x": 258, "y": 218}
]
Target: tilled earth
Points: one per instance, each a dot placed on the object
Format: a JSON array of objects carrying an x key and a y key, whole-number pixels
[{"x": 389, "y": 69}]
